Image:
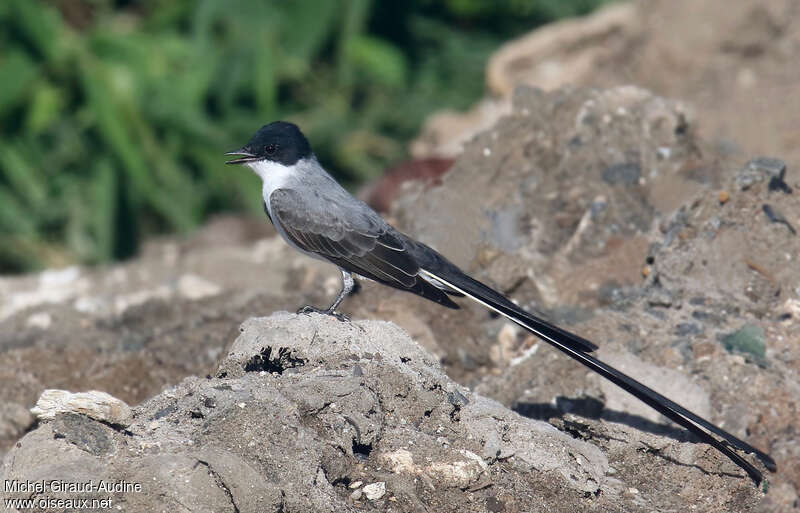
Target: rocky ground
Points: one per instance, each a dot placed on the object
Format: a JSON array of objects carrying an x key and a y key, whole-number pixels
[
  {"x": 307, "y": 413},
  {"x": 600, "y": 208},
  {"x": 736, "y": 63},
  {"x": 663, "y": 230}
]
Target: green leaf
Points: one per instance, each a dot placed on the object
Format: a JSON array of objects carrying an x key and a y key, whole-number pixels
[
  {"x": 377, "y": 60},
  {"x": 354, "y": 17},
  {"x": 39, "y": 24},
  {"x": 113, "y": 120},
  {"x": 17, "y": 71},
  {"x": 103, "y": 194},
  {"x": 14, "y": 217},
  {"x": 108, "y": 106},
  {"x": 266, "y": 80},
  {"x": 44, "y": 108},
  {"x": 25, "y": 181},
  {"x": 312, "y": 22}
]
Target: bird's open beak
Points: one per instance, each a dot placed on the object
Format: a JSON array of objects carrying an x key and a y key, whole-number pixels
[{"x": 244, "y": 156}]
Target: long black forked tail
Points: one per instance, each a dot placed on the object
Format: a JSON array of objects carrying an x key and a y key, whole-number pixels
[{"x": 578, "y": 348}]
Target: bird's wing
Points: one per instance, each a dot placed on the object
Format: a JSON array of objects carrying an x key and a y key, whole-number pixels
[{"x": 351, "y": 236}]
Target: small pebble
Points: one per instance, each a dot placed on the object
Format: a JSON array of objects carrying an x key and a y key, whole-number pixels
[
  {"x": 723, "y": 197},
  {"x": 457, "y": 399},
  {"x": 759, "y": 169},
  {"x": 375, "y": 491},
  {"x": 41, "y": 320}
]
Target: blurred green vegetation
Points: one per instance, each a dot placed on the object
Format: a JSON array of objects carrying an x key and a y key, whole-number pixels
[{"x": 115, "y": 114}]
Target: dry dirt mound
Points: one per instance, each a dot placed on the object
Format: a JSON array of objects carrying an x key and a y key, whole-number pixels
[
  {"x": 736, "y": 63},
  {"x": 310, "y": 414}
]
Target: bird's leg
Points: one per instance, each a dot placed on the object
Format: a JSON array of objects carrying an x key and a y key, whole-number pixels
[{"x": 347, "y": 286}]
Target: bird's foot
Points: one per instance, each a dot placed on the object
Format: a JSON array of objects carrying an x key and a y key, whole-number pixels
[{"x": 310, "y": 309}]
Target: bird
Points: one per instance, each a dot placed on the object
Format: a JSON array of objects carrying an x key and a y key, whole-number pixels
[{"x": 315, "y": 215}]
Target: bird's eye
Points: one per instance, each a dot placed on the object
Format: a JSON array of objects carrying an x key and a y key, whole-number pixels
[{"x": 271, "y": 149}]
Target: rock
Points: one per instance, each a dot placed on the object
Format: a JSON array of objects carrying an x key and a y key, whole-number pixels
[
  {"x": 560, "y": 53},
  {"x": 770, "y": 166},
  {"x": 194, "y": 287},
  {"x": 556, "y": 55},
  {"x": 748, "y": 340},
  {"x": 52, "y": 286},
  {"x": 375, "y": 491},
  {"x": 623, "y": 174},
  {"x": 445, "y": 133},
  {"x": 750, "y": 43},
  {"x": 15, "y": 419},
  {"x": 41, "y": 320},
  {"x": 295, "y": 437},
  {"x": 133, "y": 328},
  {"x": 399, "y": 461},
  {"x": 462, "y": 470},
  {"x": 94, "y": 404},
  {"x": 761, "y": 169},
  {"x": 82, "y": 432},
  {"x": 462, "y": 473}
]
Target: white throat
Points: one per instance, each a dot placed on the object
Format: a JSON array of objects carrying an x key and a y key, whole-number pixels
[
  {"x": 277, "y": 176},
  {"x": 267, "y": 169},
  {"x": 273, "y": 175}
]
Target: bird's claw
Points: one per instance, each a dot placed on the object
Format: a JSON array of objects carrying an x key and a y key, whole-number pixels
[
  {"x": 342, "y": 317},
  {"x": 310, "y": 309}
]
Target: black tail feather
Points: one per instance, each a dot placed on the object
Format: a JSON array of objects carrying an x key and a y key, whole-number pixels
[
  {"x": 505, "y": 307},
  {"x": 577, "y": 348}
]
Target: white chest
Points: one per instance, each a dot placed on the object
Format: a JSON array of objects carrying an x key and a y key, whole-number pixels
[{"x": 276, "y": 176}]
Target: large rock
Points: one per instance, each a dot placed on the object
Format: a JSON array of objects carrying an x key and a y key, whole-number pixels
[{"x": 310, "y": 414}]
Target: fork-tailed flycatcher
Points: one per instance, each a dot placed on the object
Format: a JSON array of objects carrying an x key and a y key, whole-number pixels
[{"x": 318, "y": 217}]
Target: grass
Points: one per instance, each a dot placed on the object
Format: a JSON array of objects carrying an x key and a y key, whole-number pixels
[{"x": 115, "y": 113}]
